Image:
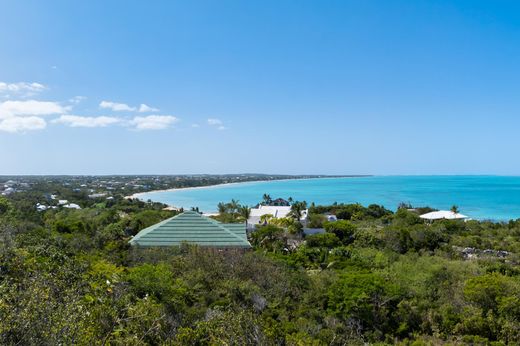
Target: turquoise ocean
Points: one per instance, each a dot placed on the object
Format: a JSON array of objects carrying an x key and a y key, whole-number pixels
[{"x": 479, "y": 197}]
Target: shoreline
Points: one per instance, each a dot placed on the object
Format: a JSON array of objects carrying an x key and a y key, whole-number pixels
[
  {"x": 138, "y": 195},
  {"x": 477, "y": 204}
]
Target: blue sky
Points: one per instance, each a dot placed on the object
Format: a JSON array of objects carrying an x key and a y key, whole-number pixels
[{"x": 297, "y": 87}]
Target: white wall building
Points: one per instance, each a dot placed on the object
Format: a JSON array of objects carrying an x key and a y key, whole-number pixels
[
  {"x": 443, "y": 214},
  {"x": 72, "y": 206},
  {"x": 276, "y": 212}
]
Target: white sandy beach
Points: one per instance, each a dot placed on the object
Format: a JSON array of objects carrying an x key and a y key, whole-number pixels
[{"x": 139, "y": 194}]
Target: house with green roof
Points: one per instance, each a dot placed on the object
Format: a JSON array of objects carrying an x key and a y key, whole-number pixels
[{"x": 193, "y": 228}]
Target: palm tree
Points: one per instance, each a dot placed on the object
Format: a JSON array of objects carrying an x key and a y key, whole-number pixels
[
  {"x": 234, "y": 205},
  {"x": 267, "y": 199},
  {"x": 290, "y": 200},
  {"x": 297, "y": 208},
  {"x": 454, "y": 209},
  {"x": 245, "y": 212},
  {"x": 222, "y": 209}
]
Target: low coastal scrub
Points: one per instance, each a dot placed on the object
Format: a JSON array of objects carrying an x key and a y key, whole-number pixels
[{"x": 372, "y": 277}]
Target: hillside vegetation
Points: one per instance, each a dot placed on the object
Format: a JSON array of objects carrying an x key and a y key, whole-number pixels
[{"x": 377, "y": 277}]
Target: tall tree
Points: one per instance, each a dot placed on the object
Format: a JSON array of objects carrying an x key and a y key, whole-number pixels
[
  {"x": 234, "y": 206},
  {"x": 222, "y": 209},
  {"x": 297, "y": 209},
  {"x": 455, "y": 209},
  {"x": 245, "y": 212},
  {"x": 267, "y": 199}
]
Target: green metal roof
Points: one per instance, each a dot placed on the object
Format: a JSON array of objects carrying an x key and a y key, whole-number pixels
[{"x": 191, "y": 227}]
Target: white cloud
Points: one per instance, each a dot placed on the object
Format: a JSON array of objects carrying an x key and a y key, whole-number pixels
[
  {"x": 217, "y": 123},
  {"x": 30, "y": 108},
  {"x": 153, "y": 122},
  {"x": 28, "y": 115},
  {"x": 214, "y": 121},
  {"x": 81, "y": 121},
  {"x": 145, "y": 108},
  {"x": 77, "y": 99},
  {"x": 22, "y": 116},
  {"x": 22, "y": 124},
  {"x": 116, "y": 107},
  {"x": 26, "y": 89},
  {"x": 195, "y": 125}
]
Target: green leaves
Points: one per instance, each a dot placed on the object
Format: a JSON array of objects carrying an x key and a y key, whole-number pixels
[
  {"x": 5, "y": 206},
  {"x": 364, "y": 296},
  {"x": 157, "y": 280},
  {"x": 492, "y": 290},
  {"x": 344, "y": 230},
  {"x": 326, "y": 240},
  {"x": 151, "y": 279},
  {"x": 68, "y": 277}
]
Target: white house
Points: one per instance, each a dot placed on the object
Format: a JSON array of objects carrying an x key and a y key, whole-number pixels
[
  {"x": 331, "y": 217},
  {"x": 8, "y": 191},
  {"x": 72, "y": 206},
  {"x": 443, "y": 214},
  {"x": 41, "y": 207},
  {"x": 276, "y": 211},
  {"x": 97, "y": 195}
]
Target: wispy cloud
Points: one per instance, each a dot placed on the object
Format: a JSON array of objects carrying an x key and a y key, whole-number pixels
[
  {"x": 82, "y": 121},
  {"x": 116, "y": 107},
  {"x": 214, "y": 121},
  {"x": 146, "y": 109},
  {"x": 23, "y": 116},
  {"x": 217, "y": 123},
  {"x": 150, "y": 122},
  {"x": 21, "y": 89},
  {"x": 77, "y": 99},
  {"x": 22, "y": 124},
  {"x": 30, "y": 107},
  {"x": 29, "y": 115},
  {"x": 153, "y": 122},
  {"x": 122, "y": 107}
]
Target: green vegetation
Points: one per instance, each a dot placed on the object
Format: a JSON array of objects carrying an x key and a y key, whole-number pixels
[{"x": 374, "y": 277}]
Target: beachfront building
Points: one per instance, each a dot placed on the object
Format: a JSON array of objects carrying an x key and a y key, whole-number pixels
[
  {"x": 443, "y": 214},
  {"x": 330, "y": 217},
  {"x": 193, "y": 228},
  {"x": 71, "y": 206},
  {"x": 277, "y": 212}
]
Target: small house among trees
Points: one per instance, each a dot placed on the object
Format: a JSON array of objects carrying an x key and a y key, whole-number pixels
[{"x": 193, "y": 228}]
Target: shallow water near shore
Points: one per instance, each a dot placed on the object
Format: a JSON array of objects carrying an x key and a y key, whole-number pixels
[{"x": 479, "y": 197}]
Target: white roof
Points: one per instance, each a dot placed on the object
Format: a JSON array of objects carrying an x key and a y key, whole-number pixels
[
  {"x": 273, "y": 210},
  {"x": 72, "y": 206},
  {"x": 276, "y": 211},
  {"x": 443, "y": 214}
]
